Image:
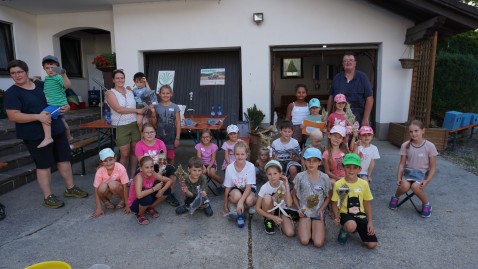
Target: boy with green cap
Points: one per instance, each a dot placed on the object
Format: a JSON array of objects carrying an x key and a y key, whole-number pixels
[{"x": 351, "y": 198}]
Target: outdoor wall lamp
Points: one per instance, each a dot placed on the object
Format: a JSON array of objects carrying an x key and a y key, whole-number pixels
[{"x": 258, "y": 17}]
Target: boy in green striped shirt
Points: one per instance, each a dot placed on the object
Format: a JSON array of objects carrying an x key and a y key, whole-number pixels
[{"x": 55, "y": 84}]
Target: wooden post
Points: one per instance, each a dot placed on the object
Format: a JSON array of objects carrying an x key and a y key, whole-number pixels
[{"x": 431, "y": 79}]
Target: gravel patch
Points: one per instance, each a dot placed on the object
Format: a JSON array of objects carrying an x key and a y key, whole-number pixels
[{"x": 464, "y": 154}]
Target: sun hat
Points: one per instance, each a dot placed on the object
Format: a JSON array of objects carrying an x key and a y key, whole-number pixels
[
  {"x": 366, "y": 130},
  {"x": 351, "y": 158},
  {"x": 340, "y": 98},
  {"x": 314, "y": 102},
  {"x": 232, "y": 129},
  {"x": 312, "y": 153},
  {"x": 273, "y": 163},
  {"x": 106, "y": 153},
  {"x": 50, "y": 58},
  {"x": 338, "y": 129}
]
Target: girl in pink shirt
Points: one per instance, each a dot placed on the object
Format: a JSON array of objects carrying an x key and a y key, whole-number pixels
[
  {"x": 333, "y": 156},
  {"x": 111, "y": 179},
  {"x": 207, "y": 152},
  {"x": 144, "y": 194}
]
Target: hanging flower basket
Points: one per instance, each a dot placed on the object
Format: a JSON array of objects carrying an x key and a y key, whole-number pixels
[
  {"x": 105, "y": 61},
  {"x": 409, "y": 63}
]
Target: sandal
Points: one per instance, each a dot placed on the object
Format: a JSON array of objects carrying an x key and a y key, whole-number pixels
[
  {"x": 120, "y": 205},
  {"x": 152, "y": 212},
  {"x": 142, "y": 219},
  {"x": 108, "y": 204}
]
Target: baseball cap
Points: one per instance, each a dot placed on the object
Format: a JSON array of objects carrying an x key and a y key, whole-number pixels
[
  {"x": 50, "y": 58},
  {"x": 338, "y": 129},
  {"x": 312, "y": 153},
  {"x": 273, "y": 163},
  {"x": 314, "y": 102},
  {"x": 366, "y": 130},
  {"x": 106, "y": 153},
  {"x": 340, "y": 98},
  {"x": 351, "y": 158},
  {"x": 232, "y": 129}
]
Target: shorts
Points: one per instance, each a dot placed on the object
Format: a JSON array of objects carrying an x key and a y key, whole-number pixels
[
  {"x": 362, "y": 222},
  {"x": 125, "y": 134},
  {"x": 363, "y": 176},
  {"x": 146, "y": 201},
  {"x": 54, "y": 111},
  {"x": 214, "y": 166},
  {"x": 297, "y": 133},
  {"x": 253, "y": 189},
  {"x": 50, "y": 155}
]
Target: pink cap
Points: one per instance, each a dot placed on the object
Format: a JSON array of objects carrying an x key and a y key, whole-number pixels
[
  {"x": 339, "y": 129},
  {"x": 340, "y": 98},
  {"x": 366, "y": 130}
]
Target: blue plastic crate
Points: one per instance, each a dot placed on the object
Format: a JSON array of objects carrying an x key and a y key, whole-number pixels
[
  {"x": 466, "y": 119},
  {"x": 474, "y": 119},
  {"x": 452, "y": 120}
]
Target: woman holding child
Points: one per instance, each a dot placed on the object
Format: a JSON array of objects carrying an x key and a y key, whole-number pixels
[{"x": 123, "y": 116}]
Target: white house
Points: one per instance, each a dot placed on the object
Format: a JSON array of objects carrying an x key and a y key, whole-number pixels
[{"x": 189, "y": 35}]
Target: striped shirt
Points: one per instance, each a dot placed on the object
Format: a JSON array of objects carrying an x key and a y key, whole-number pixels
[{"x": 54, "y": 89}]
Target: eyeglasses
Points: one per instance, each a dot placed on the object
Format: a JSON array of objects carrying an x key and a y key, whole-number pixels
[
  {"x": 148, "y": 133},
  {"x": 16, "y": 73}
]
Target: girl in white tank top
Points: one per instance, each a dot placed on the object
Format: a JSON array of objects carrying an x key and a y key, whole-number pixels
[{"x": 297, "y": 111}]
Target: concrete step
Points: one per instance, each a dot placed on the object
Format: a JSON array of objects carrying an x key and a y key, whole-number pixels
[
  {"x": 10, "y": 146},
  {"x": 16, "y": 160}
]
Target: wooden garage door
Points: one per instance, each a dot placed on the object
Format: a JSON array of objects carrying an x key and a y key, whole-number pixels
[{"x": 187, "y": 67}]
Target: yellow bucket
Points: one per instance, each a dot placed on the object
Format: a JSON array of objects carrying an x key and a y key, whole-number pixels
[{"x": 50, "y": 265}]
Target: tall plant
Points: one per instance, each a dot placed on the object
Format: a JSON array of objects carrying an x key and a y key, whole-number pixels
[{"x": 255, "y": 116}]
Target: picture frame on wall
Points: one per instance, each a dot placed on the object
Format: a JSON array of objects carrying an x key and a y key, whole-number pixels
[{"x": 292, "y": 68}]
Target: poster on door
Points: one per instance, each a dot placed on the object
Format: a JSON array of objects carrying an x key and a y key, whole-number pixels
[
  {"x": 213, "y": 76},
  {"x": 165, "y": 78}
]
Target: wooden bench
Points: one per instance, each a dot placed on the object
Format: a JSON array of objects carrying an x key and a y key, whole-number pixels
[
  {"x": 77, "y": 150},
  {"x": 453, "y": 134}
]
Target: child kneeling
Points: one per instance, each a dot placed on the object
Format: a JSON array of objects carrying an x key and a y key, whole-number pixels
[
  {"x": 196, "y": 178},
  {"x": 145, "y": 193},
  {"x": 355, "y": 205}
]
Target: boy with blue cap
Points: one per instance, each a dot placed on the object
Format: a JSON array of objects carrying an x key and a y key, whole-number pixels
[{"x": 351, "y": 198}]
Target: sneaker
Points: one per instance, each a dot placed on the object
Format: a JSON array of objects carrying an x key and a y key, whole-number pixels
[
  {"x": 252, "y": 210},
  {"x": 142, "y": 219},
  {"x": 171, "y": 199},
  {"x": 75, "y": 192},
  {"x": 208, "y": 210},
  {"x": 393, "y": 203},
  {"x": 269, "y": 226},
  {"x": 53, "y": 202},
  {"x": 240, "y": 221},
  {"x": 181, "y": 209},
  {"x": 426, "y": 210},
  {"x": 342, "y": 237}
]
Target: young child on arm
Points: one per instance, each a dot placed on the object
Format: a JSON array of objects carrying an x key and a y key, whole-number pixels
[
  {"x": 167, "y": 121},
  {"x": 286, "y": 150},
  {"x": 417, "y": 167},
  {"x": 297, "y": 111},
  {"x": 206, "y": 150},
  {"x": 273, "y": 193},
  {"x": 261, "y": 161},
  {"x": 145, "y": 194},
  {"x": 368, "y": 153},
  {"x": 111, "y": 179},
  {"x": 56, "y": 82},
  {"x": 141, "y": 86},
  {"x": 240, "y": 183},
  {"x": 196, "y": 178},
  {"x": 352, "y": 204},
  {"x": 312, "y": 188},
  {"x": 228, "y": 146}
]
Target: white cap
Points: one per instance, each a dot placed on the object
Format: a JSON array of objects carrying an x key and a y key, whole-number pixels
[
  {"x": 106, "y": 153},
  {"x": 339, "y": 129},
  {"x": 232, "y": 129}
]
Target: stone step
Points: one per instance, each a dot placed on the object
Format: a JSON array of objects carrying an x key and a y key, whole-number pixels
[
  {"x": 16, "y": 160},
  {"x": 10, "y": 146}
]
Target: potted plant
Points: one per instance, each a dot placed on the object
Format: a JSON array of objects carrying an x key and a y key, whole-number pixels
[
  {"x": 105, "y": 60},
  {"x": 255, "y": 117}
]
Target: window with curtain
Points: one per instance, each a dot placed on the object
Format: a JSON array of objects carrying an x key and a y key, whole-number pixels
[
  {"x": 6, "y": 46},
  {"x": 71, "y": 56}
]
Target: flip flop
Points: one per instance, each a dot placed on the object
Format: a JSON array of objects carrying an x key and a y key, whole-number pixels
[
  {"x": 120, "y": 205},
  {"x": 108, "y": 204}
]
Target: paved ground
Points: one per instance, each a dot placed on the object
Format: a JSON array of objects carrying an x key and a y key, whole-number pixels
[{"x": 32, "y": 233}]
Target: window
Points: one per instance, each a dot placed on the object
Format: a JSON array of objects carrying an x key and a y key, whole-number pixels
[
  {"x": 71, "y": 56},
  {"x": 6, "y": 46}
]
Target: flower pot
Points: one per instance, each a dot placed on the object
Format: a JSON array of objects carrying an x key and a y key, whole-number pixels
[{"x": 408, "y": 63}]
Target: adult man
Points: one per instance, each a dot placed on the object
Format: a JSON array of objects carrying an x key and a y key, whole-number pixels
[
  {"x": 24, "y": 104},
  {"x": 356, "y": 88}
]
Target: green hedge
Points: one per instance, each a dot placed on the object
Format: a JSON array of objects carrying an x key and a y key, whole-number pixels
[{"x": 455, "y": 86}]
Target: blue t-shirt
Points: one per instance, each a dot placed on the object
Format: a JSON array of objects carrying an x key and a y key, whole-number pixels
[
  {"x": 137, "y": 94},
  {"x": 30, "y": 102}
]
